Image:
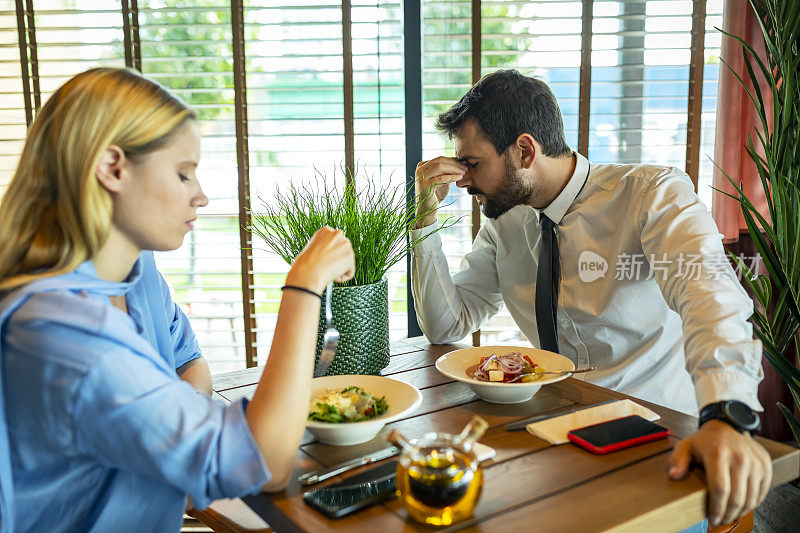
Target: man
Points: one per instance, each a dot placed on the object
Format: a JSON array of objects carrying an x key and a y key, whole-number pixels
[{"x": 615, "y": 266}]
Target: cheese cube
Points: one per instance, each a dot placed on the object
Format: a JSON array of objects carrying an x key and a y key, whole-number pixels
[
  {"x": 496, "y": 375},
  {"x": 494, "y": 364}
]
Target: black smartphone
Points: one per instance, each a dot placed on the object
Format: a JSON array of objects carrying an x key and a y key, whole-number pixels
[
  {"x": 617, "y": 434},
  {"x": 354, "y": 493}
]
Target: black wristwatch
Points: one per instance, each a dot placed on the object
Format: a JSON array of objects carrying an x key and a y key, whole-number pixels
[{"x": 733, "y": 413}]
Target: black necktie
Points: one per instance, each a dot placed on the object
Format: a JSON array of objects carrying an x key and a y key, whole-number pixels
[{"x": 548, "y": 279}]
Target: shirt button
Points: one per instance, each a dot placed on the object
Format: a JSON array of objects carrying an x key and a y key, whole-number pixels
[{"x": 565, "y": 323}]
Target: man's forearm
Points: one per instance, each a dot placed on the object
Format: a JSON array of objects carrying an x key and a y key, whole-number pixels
[
  {"x": 448, "y": 308},
  {"x": 197, "y": 374}
]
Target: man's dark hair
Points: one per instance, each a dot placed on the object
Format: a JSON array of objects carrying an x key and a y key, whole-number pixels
[{"x": 506, "y": 104}]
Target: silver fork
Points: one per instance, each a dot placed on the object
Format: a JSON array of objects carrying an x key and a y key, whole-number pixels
[
  {"x": 557, "y": 372},
  {"x": 330, "y": 341}
]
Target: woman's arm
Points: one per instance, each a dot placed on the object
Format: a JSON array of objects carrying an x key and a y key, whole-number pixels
[
  {"x": 278, "y": 411},
  {"x": 197, "y": 374}
]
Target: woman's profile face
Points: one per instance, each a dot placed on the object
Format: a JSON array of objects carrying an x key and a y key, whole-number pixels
[{"x": 158, "y": 203}]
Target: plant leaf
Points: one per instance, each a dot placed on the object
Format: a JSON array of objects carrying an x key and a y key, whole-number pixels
[{"x": 794, "y": 424}]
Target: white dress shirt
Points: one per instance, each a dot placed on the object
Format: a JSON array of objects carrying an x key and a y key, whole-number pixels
[{"x": 647, "y": 294}]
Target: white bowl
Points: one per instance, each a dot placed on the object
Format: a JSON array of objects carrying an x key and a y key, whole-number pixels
[
  {"x": 401, "y": 397},
  {"x": 455, "y": 364}
]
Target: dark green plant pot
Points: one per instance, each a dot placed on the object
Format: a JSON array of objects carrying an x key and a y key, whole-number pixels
[{"x": 361, "y": 314}]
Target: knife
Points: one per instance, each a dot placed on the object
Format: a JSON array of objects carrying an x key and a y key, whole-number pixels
[
  {"x": 521, "y": 424},
  {"x": 321, "y": 475}
]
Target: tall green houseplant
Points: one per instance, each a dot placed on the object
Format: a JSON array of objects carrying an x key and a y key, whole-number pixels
[
  {"x": 777, "y": 322},
  {"x": 377, "y": 222}
]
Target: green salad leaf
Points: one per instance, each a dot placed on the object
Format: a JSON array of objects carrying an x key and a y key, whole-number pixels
[{"x": 325, "y": 412}]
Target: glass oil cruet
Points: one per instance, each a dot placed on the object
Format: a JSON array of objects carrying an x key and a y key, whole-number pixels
[{"x": 439, "y": 478}]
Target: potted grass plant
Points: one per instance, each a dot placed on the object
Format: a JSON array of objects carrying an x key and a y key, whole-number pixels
[
  {"x": 377, "y": 221},
  {"x": 777, "y": 239}
]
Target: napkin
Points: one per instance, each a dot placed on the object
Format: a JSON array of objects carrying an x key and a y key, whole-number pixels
[{"x": 554, "y": 430}]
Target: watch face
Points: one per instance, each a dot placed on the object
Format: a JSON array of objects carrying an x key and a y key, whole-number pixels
[{"x": 741, "y": 414}]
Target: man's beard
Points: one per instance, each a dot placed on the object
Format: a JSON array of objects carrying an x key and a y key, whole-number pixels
[{"x": 511, "y": 193}]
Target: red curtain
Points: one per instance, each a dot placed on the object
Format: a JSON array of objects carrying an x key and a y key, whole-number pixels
[{"x": 736, "y": 120}]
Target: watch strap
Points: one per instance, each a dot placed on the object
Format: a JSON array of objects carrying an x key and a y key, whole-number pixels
[
  {"x": 711, "y": 411},
  {"x": 719, "y": 411}
]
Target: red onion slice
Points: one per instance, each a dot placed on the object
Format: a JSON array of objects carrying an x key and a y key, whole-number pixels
[
  {"x": 510, "y": 365},
  {"x": 493, "y": 356}
]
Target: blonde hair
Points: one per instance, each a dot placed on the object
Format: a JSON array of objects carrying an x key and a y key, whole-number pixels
[{"x": 55, "y": 214}]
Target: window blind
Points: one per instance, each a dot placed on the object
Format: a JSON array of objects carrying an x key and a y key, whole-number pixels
[
  {"x": 74, "y": 36},
  {"x": 186, "y": 46},
  {"x": 296, "y": 119},
  {"x": 12, "y": 106},
  {"x": 70, "y": 37},
  {"x": 712, "y": 64},
  {"x": 378, "y": 89},
  {"x": 542, "y": 39},
  {"x": 377, "y": 32},
  {"x": 640, "y": 69}
]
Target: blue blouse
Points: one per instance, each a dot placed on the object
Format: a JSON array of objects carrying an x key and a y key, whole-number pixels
[{"x": 97, "y": 432}]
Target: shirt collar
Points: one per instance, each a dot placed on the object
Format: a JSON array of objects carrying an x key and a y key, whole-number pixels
[
  {"x": 559, "y": 207},
  {"x": 87, "y": 273}
]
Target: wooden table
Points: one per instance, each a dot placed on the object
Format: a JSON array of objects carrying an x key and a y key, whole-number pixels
[{"x": 529, "y": 482}]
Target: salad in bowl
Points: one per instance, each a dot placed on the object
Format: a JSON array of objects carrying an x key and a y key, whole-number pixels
[
  {"x": 504, "y": 374},
  {"x": 507, "y": 368},
  {"x": 351, "y": 404},
  {"x": 351, "y": 409}
]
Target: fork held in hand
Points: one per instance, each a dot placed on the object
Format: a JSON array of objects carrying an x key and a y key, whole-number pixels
[{"x": 330, "y": 341}]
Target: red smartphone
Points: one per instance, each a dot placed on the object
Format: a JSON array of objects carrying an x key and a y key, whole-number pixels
[{"x": 617, "y": 434}]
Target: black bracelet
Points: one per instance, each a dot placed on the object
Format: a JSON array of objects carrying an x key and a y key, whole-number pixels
[{"x": 302, "y": 289}]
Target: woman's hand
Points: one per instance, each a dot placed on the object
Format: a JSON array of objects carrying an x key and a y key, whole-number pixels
[{"x": 327, "y": 257}]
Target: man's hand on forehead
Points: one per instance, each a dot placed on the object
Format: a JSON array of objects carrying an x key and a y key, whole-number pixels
[{"x": 436, "y": 174}]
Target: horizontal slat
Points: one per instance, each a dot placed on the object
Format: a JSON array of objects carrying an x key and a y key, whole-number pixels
[
  {"x": 47, "y": 46},
  {"x": 43, "y": 31}
]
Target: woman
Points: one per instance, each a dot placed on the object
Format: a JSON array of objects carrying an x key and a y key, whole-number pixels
[{"x": 97, "y": 430}]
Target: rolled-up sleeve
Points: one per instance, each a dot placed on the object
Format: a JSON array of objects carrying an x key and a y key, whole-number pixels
[
  {"x": 245, "y": 466},
  {"x": 132, "y": 415},
  {"x": 184, "y": 343}
]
